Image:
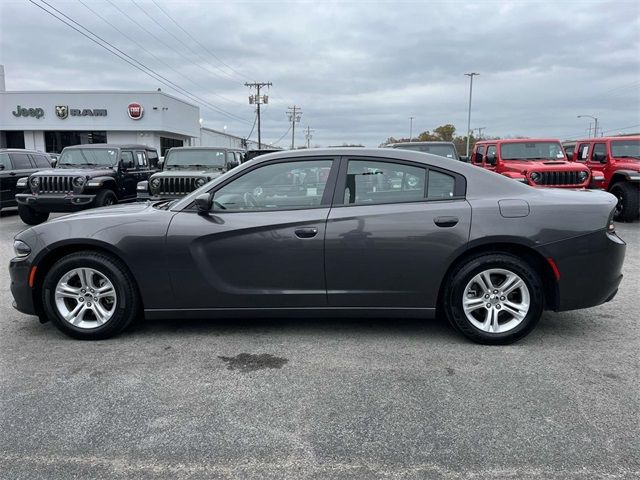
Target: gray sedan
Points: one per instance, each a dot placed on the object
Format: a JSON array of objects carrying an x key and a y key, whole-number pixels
[{"x": 333, "y": 232}]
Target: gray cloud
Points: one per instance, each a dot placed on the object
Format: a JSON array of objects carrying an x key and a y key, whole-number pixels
[{"x": 358, "y": 69}]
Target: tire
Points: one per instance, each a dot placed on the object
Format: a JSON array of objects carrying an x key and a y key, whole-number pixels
[
  {"x": 29, "y": 216},
  {"x": 119, "y": 298},
  {"x": 494, "y": 325},
  {"x": 628, "y": 207},
  {"x": 104, "y": 198}
]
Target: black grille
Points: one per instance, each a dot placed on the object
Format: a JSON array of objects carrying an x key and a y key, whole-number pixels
[
  {"x": 55, "y": 184},
  {"x": 177, "y": 185},
  {"x": 558, "y": 178}
]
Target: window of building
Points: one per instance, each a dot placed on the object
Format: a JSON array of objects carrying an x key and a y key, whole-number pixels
[
  {"x": 14, "y": 139},
  {"x": 167, "y": 143},
  {"x": 55, "y": 141}
]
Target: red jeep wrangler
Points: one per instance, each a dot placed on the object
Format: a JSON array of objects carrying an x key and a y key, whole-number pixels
[
  {"x": 537, "y": 162},
  {"x": 615, "y": 167}
]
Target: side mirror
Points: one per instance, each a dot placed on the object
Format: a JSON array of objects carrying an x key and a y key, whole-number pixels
[
  {"x": 1, "y": 166},
  {"x": 54, "y": 162},
  {"x": 232, "y": 164},
  {"x": 204, "y": 202},
  {"x": 491, "y": 159},
  {"x": 464, "y": 158}
]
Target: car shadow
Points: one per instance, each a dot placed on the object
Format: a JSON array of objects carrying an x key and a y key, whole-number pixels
[
  {"x": 432, "y": 328},
  {"x": 9, "y": 212}
]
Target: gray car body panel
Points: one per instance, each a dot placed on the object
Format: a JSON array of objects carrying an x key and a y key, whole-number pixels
[{"x": 389, "y": 257}]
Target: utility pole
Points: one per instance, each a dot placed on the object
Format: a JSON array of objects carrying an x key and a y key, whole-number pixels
[
  {"x": 470, "y": 75},
  {"x": 595, "y": 125},
  {"x": 308, "y": 136},
  {"x": 258, "y": 100},
  {"x": 294, "y": 117},
  {"x": 480, "y": 131},
  {"x": 411, "y": 127}
]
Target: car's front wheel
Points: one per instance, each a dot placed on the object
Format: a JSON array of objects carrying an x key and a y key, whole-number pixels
[
  {"x": 29, "y": 216},
  {"x": 494, "y": 298},
  {"x": 105, "y": 198},
  {"x": 90, "y": 295}
]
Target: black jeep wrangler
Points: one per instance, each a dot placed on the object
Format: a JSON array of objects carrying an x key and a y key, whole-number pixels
[
  {"x": 186, "y": 168},
  {"x": 86, "y": 176}
]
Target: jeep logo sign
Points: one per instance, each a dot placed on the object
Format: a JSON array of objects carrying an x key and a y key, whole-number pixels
[
  {"x": 135, "y": 111},
  {"x": 28, "y": 112}
]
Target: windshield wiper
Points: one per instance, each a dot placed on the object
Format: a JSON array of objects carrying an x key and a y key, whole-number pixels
[{"x": 200, "y": 165}]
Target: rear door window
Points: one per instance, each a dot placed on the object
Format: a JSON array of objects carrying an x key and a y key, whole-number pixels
[
  {"x": 5, "y": 162},
  {"x": 479, "y": 155},
  {"x": 440, "y": 186},
  {"x": 41, "y": 161},
  {"x": 20, "y": 161},
  {"x": 373, "y": 182},
  {"x": 598, "y": 148}
]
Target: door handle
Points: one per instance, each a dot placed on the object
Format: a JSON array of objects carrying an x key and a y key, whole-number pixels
[
  {"x": 306, "y": 232},
  {"x": 13, "y": 174},
  {"x": 446, "y": 221}
]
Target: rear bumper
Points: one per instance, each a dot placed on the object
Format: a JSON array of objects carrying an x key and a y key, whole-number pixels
[
  {"x": 22, "y": 294},
  {"x": 590, "y": 269},
  {"x": 55, "y": 203}
]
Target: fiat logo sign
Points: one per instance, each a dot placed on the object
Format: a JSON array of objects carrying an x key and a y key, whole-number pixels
[{"x": 135, "y": 111}]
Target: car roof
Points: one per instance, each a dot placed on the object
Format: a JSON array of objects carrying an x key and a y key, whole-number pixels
[
  {"x": 205, "y": 148},
  {"x": 111, "y": 145},
  {"x": 21, "y": 150},
  {"x": 517, "y": 140},
  {"x": 430, "y": 142},
  {"x": 604, "y": 139}
]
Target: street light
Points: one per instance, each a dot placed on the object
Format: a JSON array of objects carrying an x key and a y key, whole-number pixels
[
  {"x": 470, "y": 75},
  {"x": 595, "y": 126}
]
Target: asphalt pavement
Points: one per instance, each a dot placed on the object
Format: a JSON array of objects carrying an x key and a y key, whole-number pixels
[{"x": 323, "y": 398}]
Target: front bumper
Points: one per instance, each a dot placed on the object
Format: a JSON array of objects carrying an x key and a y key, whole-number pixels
[
  {"x": 55, "y": 203},
  {"x": 590, "y": 269},
  {"x": 19, "y": 269}
]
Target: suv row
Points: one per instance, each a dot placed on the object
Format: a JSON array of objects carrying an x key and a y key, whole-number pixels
[
  {"x": 536, "y": 162},
  {"x": 615, "y": 165},
  {"x": 85, "y": 176}
]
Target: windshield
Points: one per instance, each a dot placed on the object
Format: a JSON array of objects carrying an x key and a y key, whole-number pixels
[
  {"x": 532, "y": 151},
  {"x": 88, "y": 157},
  {"x": 214, "y": 159},
  {"x": 626, "y": 149},
  {"x": 442, "y": 150}
]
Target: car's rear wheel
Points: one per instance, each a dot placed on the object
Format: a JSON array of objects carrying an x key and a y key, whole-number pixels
[
  {"x": 104, "y": 198},
  {"x": 90, "y": 295},
  {"x": 494, "y": 298},
  {"x": 29, "y": 216},
  {"x": 628, "y": 206}
]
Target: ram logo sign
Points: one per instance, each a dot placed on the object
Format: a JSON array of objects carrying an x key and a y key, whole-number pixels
[
  {"x": 135, "y": 111},
  {"x": 63, "y": 111}
]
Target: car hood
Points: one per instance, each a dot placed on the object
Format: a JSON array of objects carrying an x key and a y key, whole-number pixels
[
  {"x": 75, "y": 172},
  {"x": 543, "y": 166},
  {"x": 187, "y": 173},
  {"x": 121, "y": 211}
]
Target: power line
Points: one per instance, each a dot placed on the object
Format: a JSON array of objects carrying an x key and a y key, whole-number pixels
[
  {"x": 128, "y": 37},
  {"x": 283, "y": 135},
  {"x": 252, "y": 127},
  {"x": 197, "y": 42},
  {"x": 168, "y": 46},
  {"x": 130, "y": 60}
]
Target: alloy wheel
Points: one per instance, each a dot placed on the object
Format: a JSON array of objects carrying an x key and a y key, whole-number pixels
[
  {"x": 85, "y": 298},
  {"x": 496, "y": 300}
]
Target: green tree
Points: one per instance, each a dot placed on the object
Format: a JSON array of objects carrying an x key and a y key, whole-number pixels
[{"x": 446, "y": 132}]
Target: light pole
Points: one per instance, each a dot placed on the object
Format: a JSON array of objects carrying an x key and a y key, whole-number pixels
[
  {"x": 410, "y": 127},
  {"x": 595, "y": 125},
  {"x": 470, "y": 75}
]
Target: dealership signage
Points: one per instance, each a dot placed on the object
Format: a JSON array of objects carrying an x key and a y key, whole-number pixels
[
  {"x": 135, "y": 111},
  {"x": 28, "y": 112},
  {"x": 63, "y": 111}
]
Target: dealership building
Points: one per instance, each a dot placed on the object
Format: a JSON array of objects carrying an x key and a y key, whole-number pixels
[{"x": 51, "y": 120}]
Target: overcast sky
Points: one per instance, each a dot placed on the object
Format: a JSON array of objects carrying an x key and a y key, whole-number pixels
[{"x": 359, "y": 70}]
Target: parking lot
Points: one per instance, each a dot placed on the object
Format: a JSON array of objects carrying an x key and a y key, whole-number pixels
[{"x": 294, "y": 399}]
